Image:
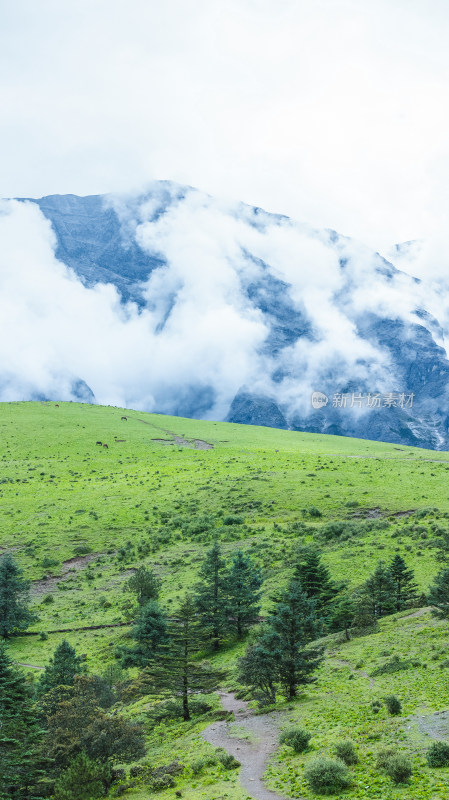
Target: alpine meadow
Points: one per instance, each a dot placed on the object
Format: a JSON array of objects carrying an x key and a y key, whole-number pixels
[{"x": 212, "y": 610}]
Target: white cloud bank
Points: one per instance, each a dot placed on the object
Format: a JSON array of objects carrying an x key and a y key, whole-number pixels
[{"x": 200, "y": 336}]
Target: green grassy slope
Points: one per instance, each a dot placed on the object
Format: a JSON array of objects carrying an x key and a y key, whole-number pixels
[{"x": 79, "y": 517}]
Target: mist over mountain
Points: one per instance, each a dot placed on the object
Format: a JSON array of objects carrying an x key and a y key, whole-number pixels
[{"x": 174, "y": 301}]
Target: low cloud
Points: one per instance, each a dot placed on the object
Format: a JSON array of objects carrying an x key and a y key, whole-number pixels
[{"x": 201, "y": 334}]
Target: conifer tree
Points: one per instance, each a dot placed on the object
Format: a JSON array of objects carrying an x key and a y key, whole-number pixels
[
  {"x": 314, "y": 577},
  {"x": 342, "y": 614},
  {"x": 145, "y": 585},
  {"x": 380, "y": 591},
  {"x": 406, "y": 590},
  {"x": 149, "y": 632},
  {"x": 84, "y": 779},
  {"x": 177, "y": 669},
  {"x": 294, "y": 621},
  {"x": 14, "y": 598},
  {"x": 438, "y": 594},
  {"x": 259, "y": 667},
  {"x": 20, "y": 735},
  {"x": 78, "y": 724},
  {"x": 62, "y": 668},
  {"x": 210, "y": 596},
  {"x": 243, "y": 593}
]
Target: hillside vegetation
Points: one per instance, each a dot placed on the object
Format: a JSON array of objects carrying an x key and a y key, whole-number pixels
[{"x": 79, "y": 518}]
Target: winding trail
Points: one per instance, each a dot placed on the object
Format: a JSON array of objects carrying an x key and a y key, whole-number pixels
[
  {"x": 254, "y": 752},
  {"x": 355, "y": 671}
]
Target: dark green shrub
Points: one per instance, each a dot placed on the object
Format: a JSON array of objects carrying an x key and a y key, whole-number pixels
[
  {"x": 49, "y": 562},
  {"x": 141, "y": 771},
  {"x": 315, "y": 512},
  {"x": 399, "y": 768},
  {"x": 346, "y": 752},
  {"x": 82, "y": 549},
  {"x": 297, "y": 738},
  {"x": 232, "y": 519},
  {"x": 160, "y": 782},
  {"x": 227, "y": 760},
  {"x": 199, "y": 764},
  {"x": 394, "y": 665},
  {"x": 393, "y": 704},
  {"x": 384, "y": 756},
  {"x": 327, "y": 776},
  {"x": 438, "y": 755},
  {"x": 48, "y": 599},
  {"x": 376, "y": 705}
]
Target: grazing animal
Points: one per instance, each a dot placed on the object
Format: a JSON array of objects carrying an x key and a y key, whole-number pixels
[
  {"x": 56, "y": 405},
  {"x": 126, "y": 418},
  {"x": 98, "y": 442},
  {"x": 105, "y": 445}
]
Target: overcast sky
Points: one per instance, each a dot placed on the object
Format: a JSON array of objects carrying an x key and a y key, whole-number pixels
[{"x": 332, "y": 111}]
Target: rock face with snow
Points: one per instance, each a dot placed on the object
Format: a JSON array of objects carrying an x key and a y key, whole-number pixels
[{"x": 229, "y": 312}]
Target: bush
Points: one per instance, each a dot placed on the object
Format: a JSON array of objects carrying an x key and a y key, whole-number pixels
[
  {"x": 327, "y": 776},
  {"x": 393, "y": 704},
  {"x": 315, "y": 512},
  {"x": 232, "y": 519},
  {"x": 399, "y": 768},
  {"x": 160, "y": 782},
  {"x": 82, "y": 549},
  {"x": 297, "y": 738},
  {"x": 438, "y": 755},
  {"x": 48, "y": 599},
  {"x": 141, "y": 771},
  {"x": 384, "y": 756},
  {"x": 199, "y": 764},
  {"x": 346, "y": 752},
  {"x": 376, "y": 705},
  {"x": 227, "y": 760}
]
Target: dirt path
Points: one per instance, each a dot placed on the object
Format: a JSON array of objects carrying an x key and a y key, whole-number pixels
[
  {"x": 196, "y": 444},
  {"x": 30, "y": 666},
  {"x": 418, "y": 613},
  {"x": 252, "y": 752},
  {"x": 356, "y": 671}
]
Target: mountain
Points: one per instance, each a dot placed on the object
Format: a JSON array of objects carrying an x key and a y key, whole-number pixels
[{"x": 211, "y": 310}]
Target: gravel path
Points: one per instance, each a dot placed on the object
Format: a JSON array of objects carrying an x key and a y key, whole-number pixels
[{"x": 254, "y": 752}]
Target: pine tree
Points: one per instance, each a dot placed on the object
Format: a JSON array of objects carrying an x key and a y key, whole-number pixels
[
  {"x": 210, "y": 595},
  {"x": 406, "y": 590},
  {"x": 78, "y": 724},
  {"x": 14, "y": 598},
  {"x": 84, "y": 779},
  {"x": 145, "y": 585},
  {"x": 20, "y": 735},
  {"x": 342, "y": 614},
  {"x": 380, "y": 591},
  {"x": 149, "y": 632},
  {"x": 177, "y": 669},
  {"x": 438, "y": 594},
  {"x": 243, "y": 593},
  {"x": 294, "y": 622},
  {"x": 259, "y": 667},
  {"x": 62, "y": 668},
  {"x": 314, "y": 577}
]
